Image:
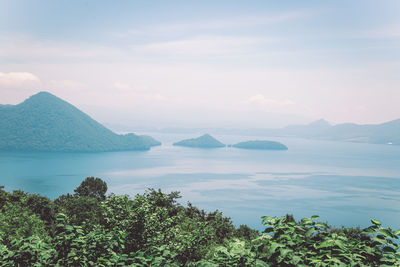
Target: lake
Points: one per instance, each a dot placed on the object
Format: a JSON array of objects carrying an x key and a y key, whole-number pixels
[{"x": 345, "y": 183}]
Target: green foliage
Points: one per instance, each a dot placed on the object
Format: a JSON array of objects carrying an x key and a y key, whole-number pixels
[
  {"x": 309, "y": 242},
  {"x": 152, "y": 229},
  {"x": 92, "y": 187},
  {"x": 17, "y": 222}
]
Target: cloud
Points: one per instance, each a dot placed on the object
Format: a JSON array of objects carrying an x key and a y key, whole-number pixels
[
  {"x": 205, "y": 45},
  {"x": 17, "y": 48},
  {"x": 16, "y": 86},
  {"x": 66, "y": 84},
  {"x": 385, "y": 32},
  {"x": 18, "y": 80},
  {"x": 268, "y": 102},
  {"x": 216, "y": 24},
  {"x": 125, "y": 87}
]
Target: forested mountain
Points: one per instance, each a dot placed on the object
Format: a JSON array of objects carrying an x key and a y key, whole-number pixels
[{"x": 45, "y": 122}]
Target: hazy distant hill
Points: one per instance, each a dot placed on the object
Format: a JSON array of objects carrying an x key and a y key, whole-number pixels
[
  {"x": 204, "y": 141},
  {"x": 45, "y": 122},
  {"x": 384, "y": 133},
  {"x": 308, "y": 130},
  {"x": 388, "y": 132}
]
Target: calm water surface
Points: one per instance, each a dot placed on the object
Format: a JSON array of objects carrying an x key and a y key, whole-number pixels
[{"x": 345, "y": 183}]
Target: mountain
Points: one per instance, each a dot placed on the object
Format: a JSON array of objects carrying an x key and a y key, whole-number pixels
[
  {"x": 45, "y": 122},
  {"x": 307, "y": 130},
  {"x": 261, "y": 144},
  {"x": 385, "y": 133},
  {"x": 204, "y": 141}
]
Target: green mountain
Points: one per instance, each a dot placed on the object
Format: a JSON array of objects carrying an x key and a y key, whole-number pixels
[
  {"x": 45, "y": 122},
  {"x": 204, "y": 141},
  {"x": 261, "y": 144}
]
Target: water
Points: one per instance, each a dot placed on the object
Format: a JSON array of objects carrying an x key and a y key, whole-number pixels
[{"x": 345, "y": 183}]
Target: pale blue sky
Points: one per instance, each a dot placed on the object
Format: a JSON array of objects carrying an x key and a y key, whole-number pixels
[{"x": 206, "y": 63}]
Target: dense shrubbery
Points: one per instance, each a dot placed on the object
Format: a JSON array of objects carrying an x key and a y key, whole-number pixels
[{"x": 90, "y": 229}]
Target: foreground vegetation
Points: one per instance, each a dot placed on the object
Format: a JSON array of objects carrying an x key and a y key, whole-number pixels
[{"x": 89, "y": 228}]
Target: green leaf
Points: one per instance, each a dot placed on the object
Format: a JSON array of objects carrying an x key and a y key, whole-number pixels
[
  {"x": 326, "y": 244},
  {"x": 389, "y": 249},
  {"x": 314, "y": 217},
  {"x": 376, "y": 222},
  {"x": 274, "y": 246}
]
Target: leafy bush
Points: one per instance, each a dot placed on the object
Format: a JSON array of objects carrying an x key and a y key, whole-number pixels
[{"x": 152, "y": 229}]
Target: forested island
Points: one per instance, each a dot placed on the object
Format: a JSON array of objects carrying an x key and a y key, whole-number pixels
[
  {"x": 45, "y": 122},
  {"x": 261, "y": 144},
  {"x": 90, "y": 228},
  {"x": 204, "y": 141}
]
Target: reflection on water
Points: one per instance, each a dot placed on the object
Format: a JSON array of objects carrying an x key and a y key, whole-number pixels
[{"x": 345, "y": 183}]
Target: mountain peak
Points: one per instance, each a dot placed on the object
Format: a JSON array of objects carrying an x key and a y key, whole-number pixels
[
  {"x": 43, "y": 95},
  {"x": 44, "y": 98},
  {"x": 320, "y": 122}
]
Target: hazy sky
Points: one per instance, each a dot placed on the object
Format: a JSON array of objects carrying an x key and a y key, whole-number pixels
[{"x": 206, "y": 63}]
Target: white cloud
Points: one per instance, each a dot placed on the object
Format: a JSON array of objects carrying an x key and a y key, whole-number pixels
[
  {"x": 18, "y": 80},
  {"x": 126, "y": 87},
  {"x": 16, "y": 86},
  {"x": 268, "y": 102}
]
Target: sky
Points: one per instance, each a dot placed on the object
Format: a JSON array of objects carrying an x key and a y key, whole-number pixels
[{"x": 239, "y": 64}]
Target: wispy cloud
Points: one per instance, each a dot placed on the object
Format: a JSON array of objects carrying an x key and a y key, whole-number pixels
[
  {"x": 216, "y": 24},
  {"x": 126, "y": 87},
  {"x": 16, "y": 48},
  {"x": 205, "y": 45},
  {"x": 268, "y": 102},
  {"x": 385, "y": 32}
]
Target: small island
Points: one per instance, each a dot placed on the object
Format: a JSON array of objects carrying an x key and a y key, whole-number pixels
[
  {"x": 204, "y": 141},
  {"x": 261, "y": 144}
]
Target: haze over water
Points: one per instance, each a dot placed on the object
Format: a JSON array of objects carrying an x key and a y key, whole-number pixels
[{"x": 345, "y": 183}]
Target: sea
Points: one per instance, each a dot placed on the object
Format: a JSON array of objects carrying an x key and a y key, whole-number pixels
[{"x": 346, "y": 184}]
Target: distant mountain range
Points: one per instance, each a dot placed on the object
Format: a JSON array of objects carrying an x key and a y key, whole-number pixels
[
  {"x": 385, "y": 133},
  {"x": 45, "y": 122}
]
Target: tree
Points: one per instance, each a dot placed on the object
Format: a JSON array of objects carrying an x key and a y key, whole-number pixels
[{"x": 92, "y": 187}]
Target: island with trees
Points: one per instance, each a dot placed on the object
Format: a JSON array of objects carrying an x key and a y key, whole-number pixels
[
  {"x": 261, "y": 144},
  {"x": 204, "y": 141}
]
